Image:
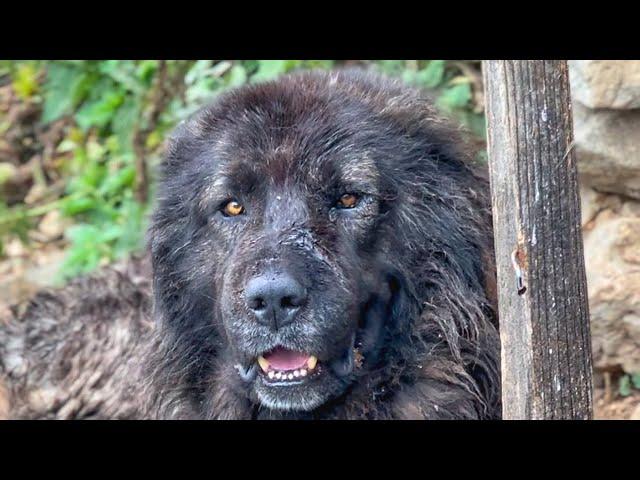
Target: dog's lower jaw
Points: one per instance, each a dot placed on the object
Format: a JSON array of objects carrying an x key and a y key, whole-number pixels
[{"x": 308, "y": 403}]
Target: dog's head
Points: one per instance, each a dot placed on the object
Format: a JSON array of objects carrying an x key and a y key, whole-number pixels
[{"x": 293, "y": 225}]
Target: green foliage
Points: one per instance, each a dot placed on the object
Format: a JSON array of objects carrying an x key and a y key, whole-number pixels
[
  {"x": 627, "y": 383},
  {"x": 453, "y": 91},
  {"x": 105, "y": 100},
  {"x": 100, "y": 195},
  {"x": 25, "y": 80},
  {"x": 65, "y": 87},
  {"x": 113, "y": 112},
  {"x": 624, "y": 386},
  {"x": 431, "y": 76}
]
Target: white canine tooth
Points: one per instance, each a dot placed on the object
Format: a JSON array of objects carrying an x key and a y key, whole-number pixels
[
  {"x": 278, "y": 375},
  {"x": 290, "y": 376},
  {"x": 264, "y": 365},
  {"x": 303, "y": 372},
  {"x": 271, "y": 374},
  {"x": 296, "y": 373},
  {"x": 312, "y": 362}
]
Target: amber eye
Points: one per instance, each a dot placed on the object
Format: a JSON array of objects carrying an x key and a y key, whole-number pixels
[
  {"x": 233, "y": 209},
  {"x": 348, "y": 200}
]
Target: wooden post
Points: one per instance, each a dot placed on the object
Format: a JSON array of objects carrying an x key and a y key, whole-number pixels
[{"x": 542, "y": 290}]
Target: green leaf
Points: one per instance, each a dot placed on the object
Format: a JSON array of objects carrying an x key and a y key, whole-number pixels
[
  {"x": 91, "y": 177},
  {"x": 99, "y": 112},
  {"x": 84, "y": 254},
  {"x": 236, "y": 76},
  {"x": 124, "y": 121},
  {"x": 7, "y": 171},
  {"x": 624, "y": 387},
  {"x": 197, "y": 71},
  {"x": 133, "y": 229},
  {"x": 145, "y": 70},
  {"x": 635, "y": 379},
  {"x": 409, "y": 77},
  {"x": 66, "y": 145},
  {"x": 95, "y": 151},
  {"x": 75, "y": 206},
  {"x": 81, "y": 233},
  {"x": 475, "y": 122},
  {"x": 124, "y": 75},
  {"x": 103, "y": 214},
  {"x": 65, "y": 87},
  {"x": 269, "y": 69},
  {"x": 110, "y": 233},
  {"x": 457, "y": 96},
  {"x": 432, "y": 75},
  {"x": 116, "y": 182},
  {"x": 25, "y": 81},
  {"x": 5, "y": 67},
  {"x": 391, "y": 67}
]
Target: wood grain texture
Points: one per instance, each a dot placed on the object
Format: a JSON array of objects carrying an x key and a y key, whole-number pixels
[{"x": 544, "y": 328}]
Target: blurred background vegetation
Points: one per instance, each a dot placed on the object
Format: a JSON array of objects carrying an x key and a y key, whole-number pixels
[{"x": 79, "y": 141}]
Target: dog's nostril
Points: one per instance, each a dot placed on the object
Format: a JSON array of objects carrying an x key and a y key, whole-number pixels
[
  {"x": 257, "y": 304},
  {"x": 290, "y": 302}
]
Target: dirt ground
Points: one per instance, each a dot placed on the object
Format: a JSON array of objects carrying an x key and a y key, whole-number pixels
[{"x": 618, "y": 408}]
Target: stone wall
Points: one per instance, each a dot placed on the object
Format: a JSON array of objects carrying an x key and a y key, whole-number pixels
[{"x": 606, "y": 100}]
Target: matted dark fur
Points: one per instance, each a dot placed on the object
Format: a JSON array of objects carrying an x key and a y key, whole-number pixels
[{"x": 397, "y": 290}]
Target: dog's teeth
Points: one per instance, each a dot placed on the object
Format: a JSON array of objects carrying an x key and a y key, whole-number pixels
[
  {"x": 288, "y": 375},
  {"x": 312, "y": 362},
  {"x": 264, "y": 365}
]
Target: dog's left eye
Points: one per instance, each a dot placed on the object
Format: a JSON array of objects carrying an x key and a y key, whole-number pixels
[
  {"x": 348, "y": 200},
  {"x": 232, "y": 209}
]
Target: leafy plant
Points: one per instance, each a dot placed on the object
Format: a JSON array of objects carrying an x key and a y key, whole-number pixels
[{"x": 627, "y": 383}]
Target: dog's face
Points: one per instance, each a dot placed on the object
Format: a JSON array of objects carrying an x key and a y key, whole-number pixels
[
  {"x": 299, "y": 276},
  {"x": 275, "y": 244},
  {"x": 290, "y": 209}
]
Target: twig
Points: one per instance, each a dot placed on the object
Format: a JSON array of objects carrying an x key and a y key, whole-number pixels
[
  {"x": 141, "y": 134},
  {"x": 165, "y": 88},
  {"x": 39, "y": 210}
]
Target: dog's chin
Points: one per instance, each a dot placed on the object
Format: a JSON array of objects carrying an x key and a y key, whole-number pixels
[{"x": 304, "y": 395}]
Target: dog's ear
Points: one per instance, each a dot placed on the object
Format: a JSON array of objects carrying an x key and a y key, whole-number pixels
[
  {"x": 188, "y": 138},
  {"x": 172, "y": 221},
  {"x": 179, "y": 145},
  {"x": 387, "y": 314},
  {"x": 391, "y": 314}
]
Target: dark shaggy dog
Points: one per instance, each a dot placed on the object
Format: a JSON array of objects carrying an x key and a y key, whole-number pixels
[{"x": 321, "y": 248}]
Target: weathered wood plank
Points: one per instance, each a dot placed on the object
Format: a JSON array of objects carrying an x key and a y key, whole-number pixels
[{"x": 544, "y": 323}]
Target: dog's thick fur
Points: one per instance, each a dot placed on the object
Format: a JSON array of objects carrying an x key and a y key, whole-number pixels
[{"x": 415, "y": 259}]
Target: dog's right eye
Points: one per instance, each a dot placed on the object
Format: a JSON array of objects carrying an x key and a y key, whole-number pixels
[
  {"x": 232, "y": 209},
  {"x": 348, "y": 200}
]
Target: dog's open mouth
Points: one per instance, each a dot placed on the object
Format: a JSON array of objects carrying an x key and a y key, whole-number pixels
[{"x": 284, "y": 365}]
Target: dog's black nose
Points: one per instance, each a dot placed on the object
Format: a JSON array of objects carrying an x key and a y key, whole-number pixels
[{"x": 275, "y": 298}]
